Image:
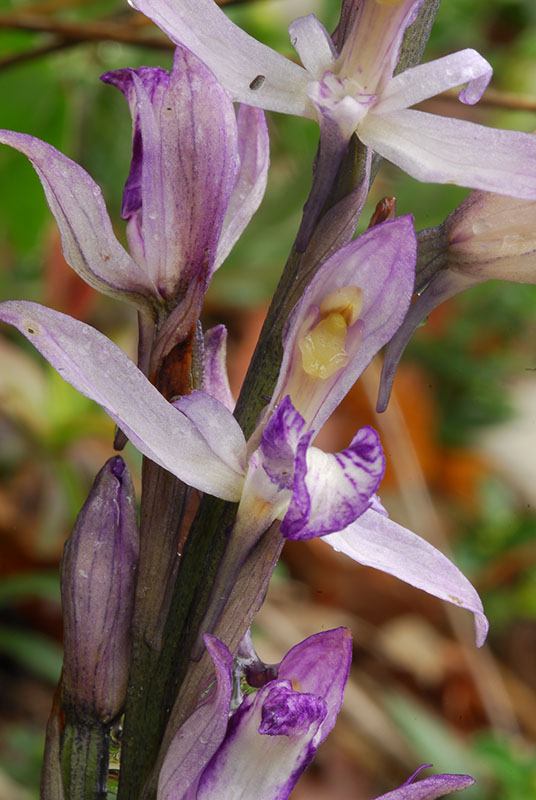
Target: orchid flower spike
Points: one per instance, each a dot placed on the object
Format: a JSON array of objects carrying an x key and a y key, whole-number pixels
[
  {"x": 261, "y": 749},
  {"x": 198, "y": 174},
  {"x": 355, "y": 90},
  {"x": 488, "y": 237},
  {"x": 352, "y": 307},
  {"x": 429, "y": 788}
]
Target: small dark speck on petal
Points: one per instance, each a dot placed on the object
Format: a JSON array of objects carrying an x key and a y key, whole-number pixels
[{"x": 257, "y": 82}]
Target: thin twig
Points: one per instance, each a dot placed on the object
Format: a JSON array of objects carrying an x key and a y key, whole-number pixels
[
  {"x": 495, "y": 98},
  {"x": 87, "y": 31}
]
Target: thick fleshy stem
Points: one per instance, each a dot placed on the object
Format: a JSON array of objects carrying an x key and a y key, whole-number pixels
[{"x": 84, "y": 760}]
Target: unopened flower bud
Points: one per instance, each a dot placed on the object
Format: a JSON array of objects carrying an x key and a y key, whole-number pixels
[
  {"x": 98, "y": 575},
  {"x": 491, "y": 236}
]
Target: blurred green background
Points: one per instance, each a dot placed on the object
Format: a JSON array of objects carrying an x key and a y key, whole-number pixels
[{"x": 469, "y": 372}]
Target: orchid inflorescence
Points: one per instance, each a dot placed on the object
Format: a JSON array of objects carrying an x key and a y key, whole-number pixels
[{"x": 177, "y": 667}]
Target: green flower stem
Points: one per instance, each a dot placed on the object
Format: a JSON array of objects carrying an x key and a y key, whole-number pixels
[{"x": 84, "y": 760}]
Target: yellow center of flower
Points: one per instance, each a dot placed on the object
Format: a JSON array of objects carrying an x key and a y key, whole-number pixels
[
  {"x": 389, "y": 2},
  {"x": 323, "y": 347}
]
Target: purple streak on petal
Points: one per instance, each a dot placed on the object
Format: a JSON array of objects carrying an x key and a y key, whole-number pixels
[
  {"x": 279, "y": 442},
  {"x": 427, "y": 80},
  {"x": 212, "y": 419},
  {"x": 382, "y": 263},
  {"x": 429, "y": 788},
  {"x": 320, "y": 665},
  {"x": 204, "y": 29},
  {"x": 89, "y": 243},
  {"x": 287, "y": 713},
  {"x": 199, "y": 737},
  {"x": 216, "y": 380},
  {"x": 332, "y": 490},
  {"x": 444, "y": 285},
  {"x": 376, "y": 541},
  {"x": 189, "y": 169},
  {"x": 443, "y": 150},
  {"x": 99, "y": 369},
  {"x": 154, "y": 81},
  {"x": 266, "y": 765},
  {"x": 250, "y": 185}
]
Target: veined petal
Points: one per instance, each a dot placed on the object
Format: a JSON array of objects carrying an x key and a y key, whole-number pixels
[
  {"x": 444, "y": 150},
  {"x": 248, "y": 191},
  {"x": 255, "y": 74},
  {"x": 372, "y": 47},
  {"x": 332, "y": 490},
  {"x": 211, "y": 417},
  {"x": 320, "y": 665},
  {"x": 313, "y": 44},
  {"x": 429, "y": 788},
  {"x": 376, "y": 541},
  {"x": 216, "y": 380},
  {"x": 99, "y": 369},
  {"x": 268, "y": 485},
  {"x": 427, "y": 80},
  {"x": 199, "y": 737},
  {"x": 89, "y": 243},
  {"x": 187, "y": 148},
  {"x": 267, "y": 746},
  {"x": 442, "y": 287},
  {"x": 380, "y": 262},
  {"x": 154, "y": 82}
]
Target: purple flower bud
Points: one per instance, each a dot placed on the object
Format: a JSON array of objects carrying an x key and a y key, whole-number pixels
[{"x": 98, "y": 575}]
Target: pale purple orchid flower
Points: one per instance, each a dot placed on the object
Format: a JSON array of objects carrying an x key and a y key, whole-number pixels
[
  {"x": 429, "y": 788},
  {"x": 352, "y": 308},
  {"x": 198, "y": 174},
  {"x": 355, "y": 90},
  {"x": 487, "y": 237},
  {"x": 262, "y": 747}
]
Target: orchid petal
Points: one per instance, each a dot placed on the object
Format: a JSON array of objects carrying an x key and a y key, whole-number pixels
[
  {"x": 444, "y": 150},
  {"x": 216, "y": 380},
  {"x": 372, "y": 47},
  {"x": 332, "y": 490},
  {"x": 429, "y": 788},
  {"x": 267, "y": 746},
  {"x": 320, "y": 665},
  {"x": 211, "y": 417},
  {"x": 154, "y": 82},
  {"x": 427, "y": 80},
  {"x": 89, "y": 243},
  {"x": 186, "y": 179},
  {"x": 381, "y": 262},
  {"x": 442, "y": 287},
  {"x": 255, "y": 74},
  {"x": 313, "y": 44},
  {"x": 376, "y": 541},
  {"x": 279, "y": 442},
  {"x": 99, "y": 369},
  {"x": 201, "y": 734},
  {"x": 248, "y": 191},
  {"x": 268, "y": 486}
]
